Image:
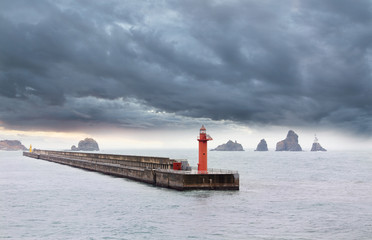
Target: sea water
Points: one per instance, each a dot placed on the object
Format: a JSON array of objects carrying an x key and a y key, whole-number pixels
[{"x": 283, "y": 195}]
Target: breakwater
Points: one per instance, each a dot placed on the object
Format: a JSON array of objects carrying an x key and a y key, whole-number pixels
[{"x": 153, "y": 170}]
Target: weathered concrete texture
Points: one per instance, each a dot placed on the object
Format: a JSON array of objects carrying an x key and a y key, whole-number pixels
[
  {"x": 182, "y": 180},
  {"x": 153, "y": 170},
  {"x": 141, "y": 174},
  {"x": 122, "y": 160}
]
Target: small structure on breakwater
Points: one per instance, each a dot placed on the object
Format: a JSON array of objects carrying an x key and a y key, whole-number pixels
[{"x": 159, "y": 171}]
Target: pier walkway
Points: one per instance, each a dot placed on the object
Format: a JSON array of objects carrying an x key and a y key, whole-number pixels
[{"x": 153, "y": 170}]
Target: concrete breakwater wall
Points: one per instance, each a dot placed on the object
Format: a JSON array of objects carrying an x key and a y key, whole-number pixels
[
  {"x": 122, "y": 160},
  {"x": 154, "y": 170}
]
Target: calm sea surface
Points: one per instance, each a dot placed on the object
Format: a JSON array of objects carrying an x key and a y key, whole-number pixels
[{"x": 283, "y": 195}]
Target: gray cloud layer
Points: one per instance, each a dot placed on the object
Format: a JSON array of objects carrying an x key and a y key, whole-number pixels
[{"x": 254, "y": 62}]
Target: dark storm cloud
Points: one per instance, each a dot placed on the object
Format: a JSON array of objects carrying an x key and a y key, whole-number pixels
[{"x": 64, "y": 64}]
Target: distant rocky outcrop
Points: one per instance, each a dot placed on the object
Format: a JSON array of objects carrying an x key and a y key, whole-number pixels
[
  {"x": 316, "y": 146},
  {"x": 290, "y": 143},
  {"x": 88, "y": 144},
  {"x": 74, "y": 148},
  {"x": 229, "y": 146},
  {"x": 11, "y": 145},
  {"x": 262, "y": 146}
]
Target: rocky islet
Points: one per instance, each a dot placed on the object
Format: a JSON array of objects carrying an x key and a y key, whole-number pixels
[
  {"x": 12, "y": 145},
  {"x": 229, "y": 146},
  {"x": 88, "y": 144},
  {"x": 290, "y": 143},
  {"x": 262, "y": 146}
]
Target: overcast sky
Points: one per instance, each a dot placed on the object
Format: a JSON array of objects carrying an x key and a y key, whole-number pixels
[{"x": 90, "y": 66}]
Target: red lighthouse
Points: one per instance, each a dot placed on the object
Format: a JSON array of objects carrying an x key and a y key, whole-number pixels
[{"x": 203, "y": 139}]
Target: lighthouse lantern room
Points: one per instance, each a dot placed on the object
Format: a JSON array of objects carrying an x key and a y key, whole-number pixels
[{"x": 203, "y": 139}]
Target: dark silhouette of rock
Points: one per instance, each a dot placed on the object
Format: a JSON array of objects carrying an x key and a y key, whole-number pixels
[
  {"x": 290, "y": 143},
  {"x": 262, "y": 146},
  {"x": 88, "y": 144},
  {"x": 316, "y": 146},
  {"x": 229, "y": 146},
  {"x": 12, "y": 145}
]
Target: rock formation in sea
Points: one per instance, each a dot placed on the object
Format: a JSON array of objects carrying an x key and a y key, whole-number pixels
[
  {"x": 11, "y": 145},
  {"x": 290, "y": 143},
  {"x": 262, "y": 146},
  {"x": 88, "y": 144},
  {"x": 316, "y": 146},
  {"x": 229, "y": 146}
]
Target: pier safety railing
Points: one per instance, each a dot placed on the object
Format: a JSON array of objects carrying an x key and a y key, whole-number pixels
[
  {"x": 144, "y": 162},
  {"x": 194, "y": 170}
]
